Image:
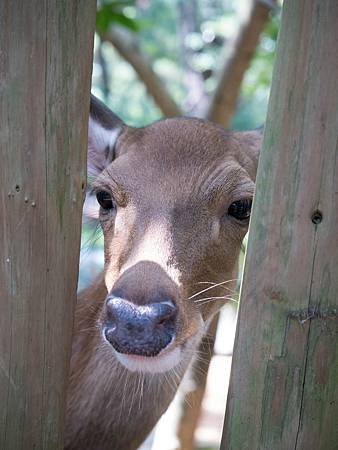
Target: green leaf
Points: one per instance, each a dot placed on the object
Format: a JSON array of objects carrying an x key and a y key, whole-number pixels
[{"x": 111, "y": 12}]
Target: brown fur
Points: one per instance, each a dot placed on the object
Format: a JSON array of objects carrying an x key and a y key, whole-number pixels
[{"x": 174, "y": 181}]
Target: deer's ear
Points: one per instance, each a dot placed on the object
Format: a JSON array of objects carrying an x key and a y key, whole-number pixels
[
  {"x": 103, "y": 131},
  {"x": 252, "y": 144}
]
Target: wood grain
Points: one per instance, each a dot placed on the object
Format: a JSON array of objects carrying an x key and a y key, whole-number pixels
[
  {"x": 45, "y": 68},
  {"x": 283, "y": 390}
]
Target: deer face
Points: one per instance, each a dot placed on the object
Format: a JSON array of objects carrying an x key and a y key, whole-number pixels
[{"x": 175, "y": 200}]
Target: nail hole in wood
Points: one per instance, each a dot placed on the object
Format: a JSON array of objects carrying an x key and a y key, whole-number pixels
[{"x": 317, "y": 217}]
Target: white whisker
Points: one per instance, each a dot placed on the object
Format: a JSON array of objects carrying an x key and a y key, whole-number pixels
[
  {"x": 214, "y": 285},
  {"x": 211, "y": 287},
  {"x": 225, "y": 297}
]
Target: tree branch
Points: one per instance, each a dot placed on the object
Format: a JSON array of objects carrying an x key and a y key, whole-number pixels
[
  {"x": 239, "y": 53},
  {"x": 142, "y": 67}
]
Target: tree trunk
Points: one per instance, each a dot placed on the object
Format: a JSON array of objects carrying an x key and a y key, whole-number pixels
[
  {"x": 45, "y": 68},
  {"x": 283, "y": 389},
  {"x": 192, "y": 403}
]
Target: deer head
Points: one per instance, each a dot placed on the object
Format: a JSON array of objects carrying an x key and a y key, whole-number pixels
[{"x": 175, "y": 200}]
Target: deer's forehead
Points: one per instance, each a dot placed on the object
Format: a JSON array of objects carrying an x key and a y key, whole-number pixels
[
  {"x": 181, "y": 155},
  {"x": 190, "y": 139},
  {"x": 174, "y": 139},
  {"x": 180, "y": 181}
]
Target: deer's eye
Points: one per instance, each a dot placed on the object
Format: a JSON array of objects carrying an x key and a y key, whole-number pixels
[
  {"x": 241, "y": 209},
  {"x": 105, "y": 200}
]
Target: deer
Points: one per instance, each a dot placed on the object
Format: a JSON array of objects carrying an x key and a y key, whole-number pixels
[{"x": 175, "y": 199}]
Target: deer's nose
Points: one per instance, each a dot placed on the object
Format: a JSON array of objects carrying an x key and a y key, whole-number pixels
[{"x": 142, "y": 330}]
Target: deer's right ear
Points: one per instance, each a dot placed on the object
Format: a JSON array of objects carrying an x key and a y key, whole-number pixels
[{"x": 103, "y": 131}]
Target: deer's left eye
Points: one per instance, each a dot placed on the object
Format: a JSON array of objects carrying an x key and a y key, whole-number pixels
[
  {"x": 241, "y": 209},
  {"x": 105, "y": 200}
]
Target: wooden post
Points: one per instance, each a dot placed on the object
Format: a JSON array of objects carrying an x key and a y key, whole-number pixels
[
  {"x": 284, "y": 392},
  {"x": 45, "y": 69}
]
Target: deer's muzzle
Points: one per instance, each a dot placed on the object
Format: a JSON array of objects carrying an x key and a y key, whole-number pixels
[{"x": 142, "y": 330}]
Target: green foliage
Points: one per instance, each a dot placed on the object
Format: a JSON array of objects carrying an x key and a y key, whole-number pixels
[
  {"x": 113, "y": 12},
  {"x": 156, "y": 27}
]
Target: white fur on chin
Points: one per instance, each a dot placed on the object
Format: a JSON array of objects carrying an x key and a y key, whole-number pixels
[{"x": 150, "y": 364}]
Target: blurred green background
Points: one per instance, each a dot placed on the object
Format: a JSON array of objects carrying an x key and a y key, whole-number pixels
[{"x": 177, "y": 41}]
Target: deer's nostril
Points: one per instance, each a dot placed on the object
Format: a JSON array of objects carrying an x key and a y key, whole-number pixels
[
  {"x": 162, "y": 321},
  {"x": 166, "y": 312},
  {"x": 139, "y": 329},
  {"x": 109, "y": 333}
]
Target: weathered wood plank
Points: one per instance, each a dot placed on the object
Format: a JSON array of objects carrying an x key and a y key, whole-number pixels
[
  {"x": 283, "y": 392},
  {"x": 45, "y": 67}
]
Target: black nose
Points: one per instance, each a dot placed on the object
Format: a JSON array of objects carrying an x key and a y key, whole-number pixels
[{"x": 139, "y": 330}]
